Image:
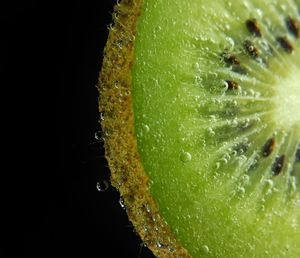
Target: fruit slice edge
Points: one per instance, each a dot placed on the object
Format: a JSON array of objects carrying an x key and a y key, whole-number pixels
[{"x": 117, "y": 123}]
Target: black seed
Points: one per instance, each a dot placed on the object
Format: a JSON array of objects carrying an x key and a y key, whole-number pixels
[
  {"x": 230, "y": 59},
  {"x": 232, "y": 85},
  {"x": 298, "y": 154},
  {"x": 278, "y": 165},
  {"x": 293, "y": 26},
  {"x": 253, "y": 27},
  {"x": 251, "y": 48},
  {"x": 285, "y": 44},
  {"x": 268, "y": 147}
]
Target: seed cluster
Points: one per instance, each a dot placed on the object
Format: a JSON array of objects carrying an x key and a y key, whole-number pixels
[{"x": 253, "y": 51}]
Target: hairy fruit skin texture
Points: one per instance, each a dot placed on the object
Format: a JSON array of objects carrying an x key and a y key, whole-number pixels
[
  {"x": 115, "y": 105},
  {"x": 201, "y": 138}
]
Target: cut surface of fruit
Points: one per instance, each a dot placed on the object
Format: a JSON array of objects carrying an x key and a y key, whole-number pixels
[{"x": 216, "y": 100}]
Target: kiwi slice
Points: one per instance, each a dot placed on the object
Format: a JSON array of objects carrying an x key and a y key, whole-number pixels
[{"x": 199, "y": 105}]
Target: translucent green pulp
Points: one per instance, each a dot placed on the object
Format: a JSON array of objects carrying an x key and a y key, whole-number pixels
[{"x": 201, "y": 142}]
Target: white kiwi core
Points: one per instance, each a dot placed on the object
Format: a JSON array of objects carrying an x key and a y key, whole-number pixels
[{"x": 288, "y": 100}]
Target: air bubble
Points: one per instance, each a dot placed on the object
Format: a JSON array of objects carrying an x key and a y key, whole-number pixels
[
  {"x": 205, "y": 249},
  {"x": 234, "y": 122},
  {"x": 146, "y": 128},
  {"x": 225, "y": 84},
  {"x": 212, "y": 118},
  {"x": 145, "y": 229},
  {"x": 160, "y": 245},
  {"x": 198, "y": 80},
  {"x": 102, "y": 186},
  {"x": 227, "y": 27},
  {"x": 185, "y": 157},
  {"x": 98, "y": 136},
  {"x": 242, "y": 159},
  {"x": 241, "y": 190},
  {"x": 245, "y": 179},
  {"x": 101, "y": 116},
  {"x": 293, "y": 183},
  {"x": 251, "y": 92},
  {"x": 259, "y": 12},
  {"x": 225, "y": 160},
  {"x": 268, "y": 188},
  {"x": 211, "y": 131},
  {"x": 148, "y": 209},
  {"x": 229, "y": 44},
  {"x": 122, "y": 204}
]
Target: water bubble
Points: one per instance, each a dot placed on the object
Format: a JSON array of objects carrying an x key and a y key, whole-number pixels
[
  {"x": 101, "y": 116},
  {"x": 283, "y": 7},
  {"x": 227, "y": 27},
  {"x": 159, "y": 244},
  {"x": 225, "y": 84},
  {"x": 251, "y": 92},
  {"x": 245, "y": 179},
  {"x": 234, "y": 103},
  {"x": 185, "y": 157},
  {"x": 242, "y": 159},
  {"x": 102, "y": 186},
  {"x": 224, "y": 160},
  {"x": 211, "y": 131},
  {"x": 148, "y": 208},
  {"x": 212, "y": 118},
  {"x": 198, "y": 80},
  {"x": 146, "y": 128},
  {"x": 229, "y": 44},
  {"x": 116, "y": 84},
  {"x": 98, "y": 136},
  {"x": 234, "y": 122},
  {"x": 197, "y": 66},
  {"x": 268, "y": 188},
  {"x": 122, "y": 204},
  {"x": 205, "y": 249},
  {"x": 241, "y": 190},
  {"x": 293, "y": 183}
]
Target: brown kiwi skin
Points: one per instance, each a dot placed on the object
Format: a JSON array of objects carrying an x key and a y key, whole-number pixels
[{"x": 115, "y": 105}]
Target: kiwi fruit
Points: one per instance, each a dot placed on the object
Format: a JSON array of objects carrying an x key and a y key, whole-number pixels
[{"x": 199, "y": 105}]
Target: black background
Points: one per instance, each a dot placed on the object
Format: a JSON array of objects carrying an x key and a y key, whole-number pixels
[{"x": 52, "y": 54}]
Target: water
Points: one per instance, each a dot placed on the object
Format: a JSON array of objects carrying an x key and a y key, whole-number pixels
[
  {"x": 102, "y": 186},
  {"x": 205, "y": 249},
  {"x": 185, "y": 157}
]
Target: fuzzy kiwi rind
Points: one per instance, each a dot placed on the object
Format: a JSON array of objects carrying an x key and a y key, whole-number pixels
[{"x": 118, "y": 133}]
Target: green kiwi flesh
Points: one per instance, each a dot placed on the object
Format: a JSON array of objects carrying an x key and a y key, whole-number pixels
[{"x": 216, "y": 100}]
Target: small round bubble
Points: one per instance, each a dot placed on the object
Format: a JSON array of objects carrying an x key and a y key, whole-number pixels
[{"x": 185, "y": 156}]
